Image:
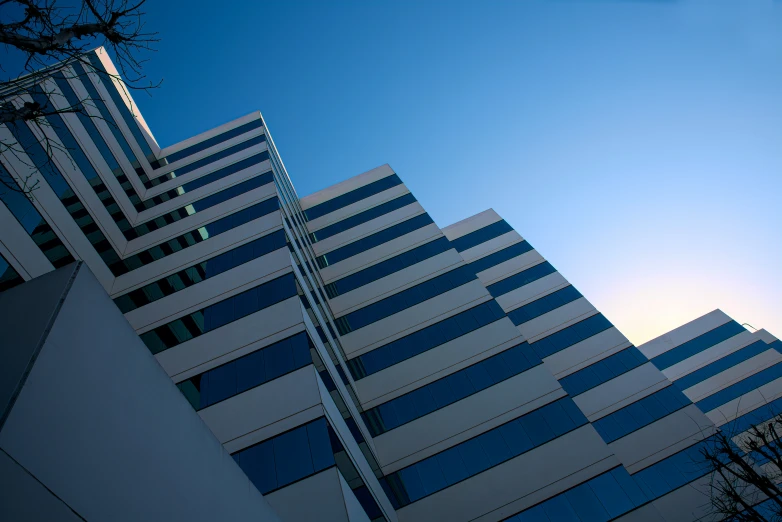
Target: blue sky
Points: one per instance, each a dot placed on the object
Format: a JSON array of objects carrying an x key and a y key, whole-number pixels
[{"x": 636, "y": 144}]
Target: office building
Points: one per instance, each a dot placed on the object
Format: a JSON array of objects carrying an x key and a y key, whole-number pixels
[{"x": 357, "y": 361}]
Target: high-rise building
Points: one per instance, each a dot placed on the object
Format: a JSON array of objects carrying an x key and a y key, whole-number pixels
[{"x": 356, "y": 361}]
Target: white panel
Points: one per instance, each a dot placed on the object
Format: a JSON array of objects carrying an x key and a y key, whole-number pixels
[
  {"x": 380, "y": 253},
  {"x": 732, "y": 375},
  {"x": 189, "y": 197},
  {"x": 662, "y": 438},
  {"x": 686, "y": 504},
  {"x": 471, "y": 224},
  {"x": 509, "y": 267},
  {"x": 346, "y": 186},
  {"x": 718, "y": 351},
  {"x": 414, "y": 318},
  {"x": 557, "y": 319},
  {"x": 466, "y": 418},
  {"x": 210, "y": 291},
  {"x": 264, "y": 405},
  {"x": 489, "y": 247},
  {"x": 366, "y": 229},
  {"x": 620, "y": 391},
  {"x": 192, "y": 158},
  {"x": 683, "y": 334},
  {"x": 765, "y": 336},
  {"x": 197, "y": 253},
  {"x": 25, "y": 252},
  {"x": 356, "y": 208},
  {"x": 498, "y": 332},
  {"x": 534, "y": 291},
  {"x": 211, "y": 167},
  {"x": 500, "y": 492},
  {"x": 588, "y": 351},
  {"x": 198, "y": 138},
  {"x": 315, "y": 499},
  {"x": 746, "y": 403},
  {"x": 230, "y": 337},
  {"x": 434, "y": 361},
  {"x": 410, "y": 276}
]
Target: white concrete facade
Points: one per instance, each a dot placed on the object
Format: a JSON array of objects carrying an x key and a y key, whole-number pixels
[{"x": 355, "y": 360}]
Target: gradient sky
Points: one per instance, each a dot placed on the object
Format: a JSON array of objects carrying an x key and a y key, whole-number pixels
[{"x": 636, "y": 144}]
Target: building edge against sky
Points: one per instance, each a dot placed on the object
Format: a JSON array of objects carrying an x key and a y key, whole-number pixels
[{"x": 346, "y": 350}]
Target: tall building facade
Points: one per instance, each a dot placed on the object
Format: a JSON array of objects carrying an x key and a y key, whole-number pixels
[{"x": 355, "y": 360}]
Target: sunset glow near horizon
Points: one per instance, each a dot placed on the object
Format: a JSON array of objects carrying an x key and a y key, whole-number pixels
[{"x": 635, "y": 144}]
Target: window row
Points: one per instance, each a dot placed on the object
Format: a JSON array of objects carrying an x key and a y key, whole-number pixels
[
  {"x": 515, "y": 250},
  {"x": 481, "y": 235},
  {"x": 544, "y": 305},
  {"x": 571, "y": 335},
  {"x": 405, "y": 299},
  {"x": 362, "y": 217},
  {"x": 761, "y": 414},
  {"x": 424, "y": 340},
  {"x": 740, "y": 388},
  {"x": 9, "y": 277},
  {"x": 200, "y": 271},
  {"x": 288, "y": 457},
  {"x": 521, "y": 279},
  {"x": 63, "y": 133},
  {"x": 210, "y": 142},
  {"x": 603, "y": 498},
  {"x": 675, "y": 471},
  {"x": 224, "y": 172},
  {"x": 641, "y": 413},
  {"x": 603, "y": 371},
  {"x": 387, "y": 267},
  {"x": 480, "y": 453},
  {"x": 321, "y": 209},
  {"x": 36, "y": 226},
  {"x": 149, "y": 183},
  {"x": 124, "y": 111},
  {"x": 89, "y": 125},
  {"x": 219, "y": 314},
  {"x": 697, "y": 345},
  {"x": 376, "y": 239},
  {"x": 105, "y": 115},
  {"x": 615, "y": 493},
  {"x": 198, "y": 205},
  {"x": 249, "y": 371},
  {"x": 449, "y": 389},
  {"x": 54, "y": 178},
  {"x": 720, "y": 365},
  {"x": 231, "y": 221},
  {"x": 300, "y": 453}
]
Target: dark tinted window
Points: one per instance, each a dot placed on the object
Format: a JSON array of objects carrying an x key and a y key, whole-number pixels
[
  {"x": 450, "y": 389},
  {"x": 481, "y": 235},
  {"x": 520, "y": 279},
  {"x": 362, "y": 217},
  {"x": 697, "y": 345},
  {"x": 603, "y": 371},
  {"x": 220, "y": 314},
  {"x": 404, "y": 299},
  {"x": 376, "y": 239},
  {"x": 424, "y": 339},
  {"x": 544, "y": 305},
  {"x": 387, "y": 267},
  {"x": 351, "y": 197}
]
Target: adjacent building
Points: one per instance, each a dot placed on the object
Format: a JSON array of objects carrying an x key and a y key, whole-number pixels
[{"x": 355, "y": 360}]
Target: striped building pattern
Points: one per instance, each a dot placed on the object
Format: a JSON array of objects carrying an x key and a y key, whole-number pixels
[{"x": 344, "y": 357}]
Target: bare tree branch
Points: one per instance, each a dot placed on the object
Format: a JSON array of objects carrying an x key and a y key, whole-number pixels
[{"x": 48, "y": 35}]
